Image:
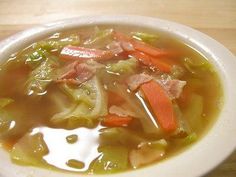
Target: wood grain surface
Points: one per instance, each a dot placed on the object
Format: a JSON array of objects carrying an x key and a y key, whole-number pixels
[{"x": 216, "y": 18}]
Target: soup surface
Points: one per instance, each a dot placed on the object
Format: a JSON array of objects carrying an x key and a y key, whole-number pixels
[{"x": 104, "y": 100}]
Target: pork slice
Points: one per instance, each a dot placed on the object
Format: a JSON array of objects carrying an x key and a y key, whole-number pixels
[
  {"x": 69, "y": 71},
  {"x": 77, "y": 73},
  {"x": 84, "y": 72},
  {"x": 115, "y": 48},
  {"x": 173, "y": 87},
  {"x": 120, "y": 111},
  {"x": 136, "y": 80},
  {"x": 127, "y": 46}
]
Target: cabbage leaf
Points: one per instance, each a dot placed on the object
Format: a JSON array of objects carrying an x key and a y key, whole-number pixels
[
  {"x": 29, "y": 150},
  {"x": 40, "y": 77},
  {"x": 123, "y": 66},
  {"x": 112, "y": 159},
  {"x": 89, "y": 102}
]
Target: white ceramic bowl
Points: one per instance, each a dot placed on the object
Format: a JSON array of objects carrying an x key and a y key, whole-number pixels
[{"x": 206, "y": 154}]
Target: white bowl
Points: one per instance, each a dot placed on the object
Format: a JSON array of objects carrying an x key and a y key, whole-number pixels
[{"x": 202, "y": 157}]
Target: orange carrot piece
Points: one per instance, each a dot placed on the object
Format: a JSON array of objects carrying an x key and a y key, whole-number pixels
[
  {"x": 141, "y": 46},
  {"x": 148, "y": 49},
  {"x": 114, "y": 99},
  {"x": 75, "y": 53},
  {"x": 162, "y": 65},
  {"x": 151, "y": 61},
  {"x": 161, "y": 105},
  {"x": 112, "y": 120}
]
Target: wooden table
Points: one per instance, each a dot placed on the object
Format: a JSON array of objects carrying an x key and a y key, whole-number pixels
[{"x": 217, "y": 18}]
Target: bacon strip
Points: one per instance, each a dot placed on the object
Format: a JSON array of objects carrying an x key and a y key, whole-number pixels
[
  {"x": 136, "y": 80},
  {"x": 82, "y": 53},
  {"x": 174, "y": 87},
  {"x": 77, "y": 73}
]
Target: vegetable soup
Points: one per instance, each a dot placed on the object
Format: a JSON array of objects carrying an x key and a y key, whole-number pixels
[{"x": 100, "y": 100}]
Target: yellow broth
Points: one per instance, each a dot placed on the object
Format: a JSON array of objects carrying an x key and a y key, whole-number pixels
[{"x": 79, "y": 146}]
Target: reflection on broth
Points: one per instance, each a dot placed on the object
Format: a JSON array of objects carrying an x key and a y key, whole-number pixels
[
  {"x": 60, "y": 151},
  {"x": 105, "y": 99}
]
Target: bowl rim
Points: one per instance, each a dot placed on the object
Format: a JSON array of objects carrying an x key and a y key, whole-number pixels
[{"x": 192, "y": 162}]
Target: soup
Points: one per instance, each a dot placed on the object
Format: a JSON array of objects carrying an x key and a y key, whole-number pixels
[{"x": 105, "y": 100}]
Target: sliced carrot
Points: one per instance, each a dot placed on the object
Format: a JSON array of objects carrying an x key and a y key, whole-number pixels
[
  {"x": 151, "y": 61},
  {"x": 142, "y": 57},
  {"x": 148, "y": 49},
  {"x": 161, "y": 105},
  {"x": 141, "y": 46},
  {"x": 115, "y": 99},
  {"x": 162, "y": 65},
  {"x": 112, "y": 120},
  {"x": 76, "y": 53},
  {"x": 168, "y": 60}
]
